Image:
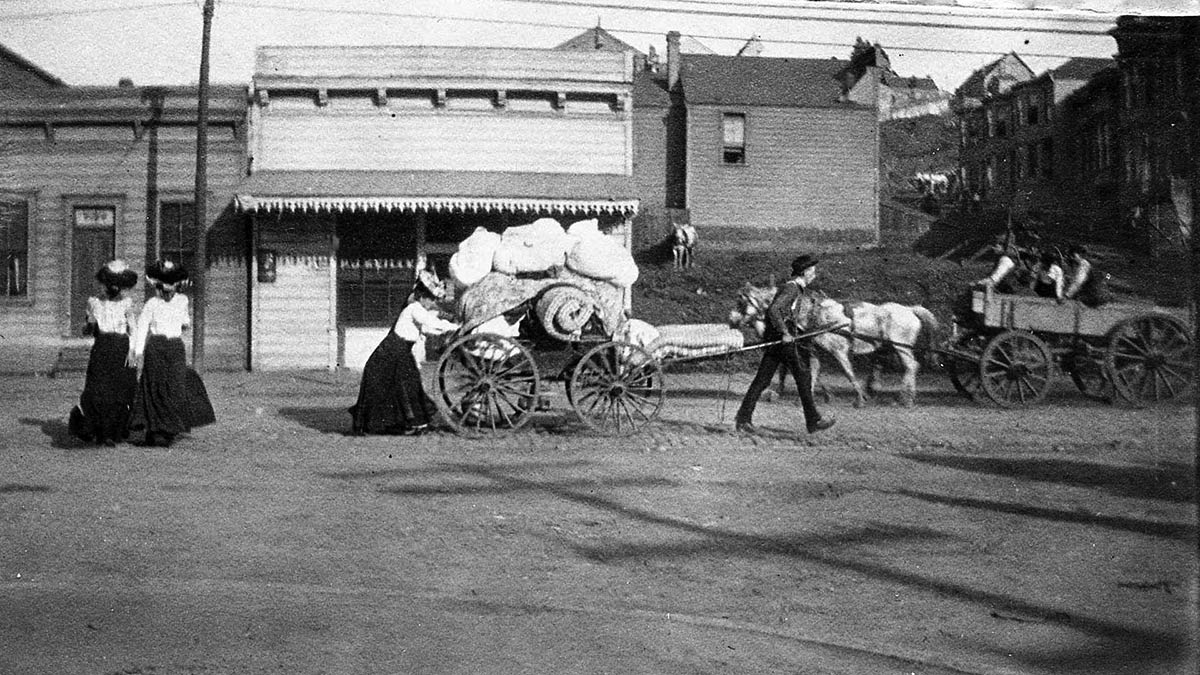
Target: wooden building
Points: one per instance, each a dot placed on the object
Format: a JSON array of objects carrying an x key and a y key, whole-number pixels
[
  {"x": 776, "y": 149},
  {"x": 371, "y": 162},
  {"x": 92, "y": 173}
]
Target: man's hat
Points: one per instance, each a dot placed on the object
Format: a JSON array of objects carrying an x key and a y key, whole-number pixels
[
  {"x": 802, "y": 262},
  {"x": 117, "y": 273},
  {"x": 166, "y": 273}
]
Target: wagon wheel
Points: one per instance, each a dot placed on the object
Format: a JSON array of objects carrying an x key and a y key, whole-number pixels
[
  {"x": 486, "y": 383},
  {"x": 616, "y": 388},
  {"x": 964, "y": 370},
  {"x": 1015, "y": 368},
  {"x": 1087, "y": 371},
  {"x": 1149, "y": 359}
]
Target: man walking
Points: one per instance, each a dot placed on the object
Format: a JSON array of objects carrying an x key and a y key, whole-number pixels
[{"x": 791, "y": 354}]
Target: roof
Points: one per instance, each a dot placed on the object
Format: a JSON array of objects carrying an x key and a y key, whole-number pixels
[
  {"x": 650, "y": 90},
  {"x": 739, "y": 80},
  {"x": 895, "y": 81},
  {"x": 976, "y": 84},
  {"x": 597, "y": 39},
  {"x": 86, "y": 104},
  {"x": 1081, "y": 68},
  {"x": 24, "y": 64},
  {"x": 436, "y": 190}
]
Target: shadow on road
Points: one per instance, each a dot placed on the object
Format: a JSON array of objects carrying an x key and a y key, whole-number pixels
[
  {"x": 1183, "y": 532},
  {"x": 1171, "y": 481},
  {"x": 1124, "y": 645},
  {"x": 56, "y": 430}
]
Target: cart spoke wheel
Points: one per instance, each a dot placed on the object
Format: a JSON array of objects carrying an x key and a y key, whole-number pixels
[
  {"x": 1015, "y": 369},
  {"x": 616, "y": 388},
  {"x": 1149, "y": 359},
  {"x": 485, "y": 384},
  {"x": 963, "y": 366}
]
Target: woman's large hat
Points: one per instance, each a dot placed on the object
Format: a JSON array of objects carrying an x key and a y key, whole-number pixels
[
  {"x": 117, "y": 273},
  {"x": 431, "y": 284},
  {"x": 166, "y": 273},
  {"x": 802, "y": 262}
]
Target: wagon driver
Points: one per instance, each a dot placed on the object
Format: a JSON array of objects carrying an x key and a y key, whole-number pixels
[{"x": 791, "y": 353}]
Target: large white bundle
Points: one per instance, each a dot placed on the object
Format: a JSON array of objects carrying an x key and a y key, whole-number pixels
[
  {"x": 473, "y": 260},
  {"x": 599, "y": 257},
  {"x": 535, "y": 247},
  {"x": 584, "y": 228}
]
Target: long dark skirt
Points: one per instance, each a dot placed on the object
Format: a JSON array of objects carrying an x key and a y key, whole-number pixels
[
  {"x": 103, "y": 411},
  {"x": 171, "y": 398},
  {"x": 391, "y": 398}
]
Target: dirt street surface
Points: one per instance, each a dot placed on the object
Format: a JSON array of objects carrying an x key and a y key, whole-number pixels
[{"x": 946, "y": 538}]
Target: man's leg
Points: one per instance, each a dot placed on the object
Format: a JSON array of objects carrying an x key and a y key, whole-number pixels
[
  {"x": 762, "y": 380},
  {"x": 797, "y": 361}
]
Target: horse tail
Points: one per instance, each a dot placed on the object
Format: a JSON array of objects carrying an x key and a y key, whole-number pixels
[{"x": 928, "y": 337}]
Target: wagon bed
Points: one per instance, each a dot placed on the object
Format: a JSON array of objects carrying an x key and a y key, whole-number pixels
[{"x": 1120, "y": 352}]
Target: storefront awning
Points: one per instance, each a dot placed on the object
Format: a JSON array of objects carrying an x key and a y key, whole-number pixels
[{"x": 334, "y": 191}]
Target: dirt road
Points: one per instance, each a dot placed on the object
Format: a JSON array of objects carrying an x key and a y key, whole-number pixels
[{"x": 948, "y": 538}]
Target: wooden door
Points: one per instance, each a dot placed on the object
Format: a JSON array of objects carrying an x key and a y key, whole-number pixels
[{"x": 92, "y": 247}]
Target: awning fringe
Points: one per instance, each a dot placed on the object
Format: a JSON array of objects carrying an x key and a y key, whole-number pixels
[{"x": 331, "y": 204}]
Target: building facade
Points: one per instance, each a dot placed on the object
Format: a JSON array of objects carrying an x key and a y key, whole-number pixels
[
  {"x": 88, "y": 174},
  {"x": 371, "y": 163}
]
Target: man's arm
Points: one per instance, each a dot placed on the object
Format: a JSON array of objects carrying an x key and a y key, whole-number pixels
[{"x": 780, "y": 311}]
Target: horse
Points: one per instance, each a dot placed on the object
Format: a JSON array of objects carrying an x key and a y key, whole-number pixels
[
  {"x": 683, "y": 243},
  {"x": 868, "y": 328}
]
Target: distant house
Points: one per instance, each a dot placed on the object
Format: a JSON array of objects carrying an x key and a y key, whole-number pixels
[
  {"x": 370, "y": 163},
  {"x": 898, "y": 97},
  {"x": 93, "y": 173},
  {"x": 1012, "y": 139},
  {"x": 774, "y": 148}
]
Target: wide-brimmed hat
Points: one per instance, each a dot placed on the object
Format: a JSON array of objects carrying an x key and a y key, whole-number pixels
[
  {"x": 117, "y": 273},
  {"x": 431, "y": 284},
  {"x": 166, "y": 273},
  {"x": 802, "y": 262}
]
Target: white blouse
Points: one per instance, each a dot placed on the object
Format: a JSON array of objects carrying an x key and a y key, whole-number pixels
[
  {"x": 167, "y": 318},
  {"x": 415, "y": 322},
  {"x": 110, "y": 316}
]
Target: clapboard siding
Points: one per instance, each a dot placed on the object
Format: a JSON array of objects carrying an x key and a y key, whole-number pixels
[
  {"x": 295, "y": 140},
  {"x": 813, "y": 169},
  {"x": 110, "y": 165},
  {"x": 390, "y": 66},
  {"x": 293, "y": 321}
]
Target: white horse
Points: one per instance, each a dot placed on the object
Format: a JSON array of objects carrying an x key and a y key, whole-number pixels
[
  {"x": 900, "y": 327},
  {"x": 683, "y": 244}
]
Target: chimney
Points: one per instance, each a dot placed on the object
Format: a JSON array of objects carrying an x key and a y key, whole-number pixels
[{"x": 673, "y": 60}]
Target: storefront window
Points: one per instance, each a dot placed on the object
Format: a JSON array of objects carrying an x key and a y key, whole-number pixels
[{"x": 14, "y": 247}]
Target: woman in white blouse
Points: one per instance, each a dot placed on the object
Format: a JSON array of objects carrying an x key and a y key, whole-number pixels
[
  {"x": 391, "y": 398},
  {"x": 102, "y": 414},
  {"x": 171, "y": 397}
]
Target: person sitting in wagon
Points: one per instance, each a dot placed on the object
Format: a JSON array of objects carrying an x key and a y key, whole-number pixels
[
  {"x": 1005, "y": 275},
  {"x": 1088, "y": 285},
  {"x": 1048, "y": 276}
]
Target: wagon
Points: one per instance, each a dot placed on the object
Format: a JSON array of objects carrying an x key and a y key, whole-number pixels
[
  {"x": 486, "y": 383},
  {"x": 1015, "y": 345}
]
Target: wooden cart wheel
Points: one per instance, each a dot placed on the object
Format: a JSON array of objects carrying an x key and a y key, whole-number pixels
[
  {"x": 616, "y": 388},
  {"x": 1088, "y": 372},
  {"x": 486, "y": 383},
  {"x": 964, "y": 371},
  {"x": 1015, "y": 368},
  {"x": 1149, "y": 359}
]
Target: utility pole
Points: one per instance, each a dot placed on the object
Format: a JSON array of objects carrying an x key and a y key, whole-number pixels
[{"x": 200, "y": 294}]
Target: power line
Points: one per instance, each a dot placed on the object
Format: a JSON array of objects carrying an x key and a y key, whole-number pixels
[
  {"x": 874, "y": 6},
  {"x": 577, "y": 27},
  {"x": 594, "y": 4},
  {"x": 95, "y": 10}
]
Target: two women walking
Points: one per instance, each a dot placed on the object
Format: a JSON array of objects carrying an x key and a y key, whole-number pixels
[{"x": 168, "y": 398}]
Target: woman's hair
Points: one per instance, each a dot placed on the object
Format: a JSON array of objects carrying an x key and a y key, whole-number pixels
[
  {"x": 419, "y": 292},
  {"x": 112, "y": 290}
]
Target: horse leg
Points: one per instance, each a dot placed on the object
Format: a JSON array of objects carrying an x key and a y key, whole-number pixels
[
  {"x": 814, "y": 368},
  {"x": 908, "y": 389},
  {"x": 843, "y": 359}
]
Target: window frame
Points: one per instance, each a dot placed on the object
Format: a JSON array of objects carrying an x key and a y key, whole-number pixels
[
  {"x": 723, "y": 148},
  {"x": 164, "y": 200},
  {"x": 29, "y": 197}
]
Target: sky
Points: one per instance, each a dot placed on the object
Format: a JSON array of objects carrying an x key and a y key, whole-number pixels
[{"x": 158, "y": 42}]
